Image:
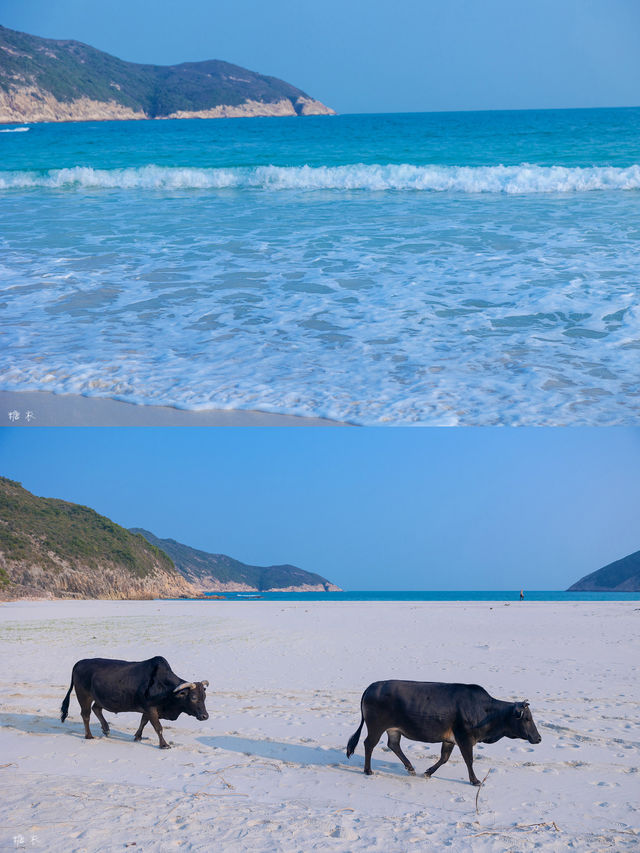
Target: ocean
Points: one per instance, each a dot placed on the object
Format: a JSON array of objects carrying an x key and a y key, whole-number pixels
[
  {"x": 427, "y": 269},
  {"x": 460, "y": 595}
]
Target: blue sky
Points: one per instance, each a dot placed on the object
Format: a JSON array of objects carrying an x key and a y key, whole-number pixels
[
  {"x": 378, "y": 55},
  {"x": 387, "y": 508}
]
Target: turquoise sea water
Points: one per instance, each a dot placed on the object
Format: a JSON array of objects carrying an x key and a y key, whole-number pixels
[
  {"x": 462, "y": 595},
  {"x": 458, "y": 268}
]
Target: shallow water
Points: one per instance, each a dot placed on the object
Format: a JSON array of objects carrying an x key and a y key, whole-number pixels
[{"x": 411, "y": 269}]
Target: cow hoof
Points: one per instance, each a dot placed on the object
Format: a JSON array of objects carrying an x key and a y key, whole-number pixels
[
  {"x": 368, "y": 772},
  {"x": 88, "y": 737},
  {"x": 165, "y": 746},
  {"x": 427, "y": 775},
  {"x": 477, "y": 783},
  {"x": 411, "y": 771}
]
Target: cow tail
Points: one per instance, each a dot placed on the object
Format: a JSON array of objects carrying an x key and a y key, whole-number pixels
[
  {"x": 64, "y": 708},
  {"x": 355, "y": 737}
]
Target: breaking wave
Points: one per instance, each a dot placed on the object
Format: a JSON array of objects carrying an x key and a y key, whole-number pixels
[{"x": 523, "y": 179}]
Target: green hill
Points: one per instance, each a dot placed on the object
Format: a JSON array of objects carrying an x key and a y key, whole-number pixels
[
  {"x": 214, "y": 572},
  {"x": 54, "y": 80},
  {"x": 52, "y": 547},
  {"x": 620, "y": 576}
]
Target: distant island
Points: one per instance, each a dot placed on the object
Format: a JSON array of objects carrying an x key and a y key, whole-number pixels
[
  {"x": 620, "y": 576},
  {"x": 53, "y": 80},
  {"x": 219, "y": 573},
  {"x": 51, "y": 548}
]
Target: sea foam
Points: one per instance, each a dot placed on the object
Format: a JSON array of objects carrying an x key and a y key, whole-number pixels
[
  {"x": 523, "y": 179},
  {"x": 460, "y": 292}
]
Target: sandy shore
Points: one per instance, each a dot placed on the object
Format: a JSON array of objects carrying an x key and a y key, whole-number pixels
[
  {"x": 40, "y": 408},
  {"x": 268, "y": 771}
]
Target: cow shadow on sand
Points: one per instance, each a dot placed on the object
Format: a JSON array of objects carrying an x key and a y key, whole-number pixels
[
  {"x": 35, "y": 724},
  {"x": 299, "y": 754},
  {"x": 270, "y": 750}
]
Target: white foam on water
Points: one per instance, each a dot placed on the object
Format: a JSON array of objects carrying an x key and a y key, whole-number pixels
[
  {"x": 403, "y": 309},
  {"x": 522, "y": 179}
]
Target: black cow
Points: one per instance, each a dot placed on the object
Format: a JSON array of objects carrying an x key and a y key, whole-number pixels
[
  {"x": 433, "y": 712},
  {"x": 148, "y": 687}
]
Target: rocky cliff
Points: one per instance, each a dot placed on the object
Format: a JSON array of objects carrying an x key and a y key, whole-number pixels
[
  {"x": 53, "y": 549},
  {"x": 53, "y": 80},
  {"x": 219, "y": 573}
]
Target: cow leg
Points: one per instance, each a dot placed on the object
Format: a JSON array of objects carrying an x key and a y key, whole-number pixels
[
  {"x": 84, "y": 700},
  {"x": 466, "y": 748},
  {"x": 97, "y": 710},
  {"x": 143, "y": 722},
  {"x": 445, "y": 753},
  {"x": 372, "y": 738},
  {"x": 393, "y": 742},
  {"x": 155, "y": 722}
]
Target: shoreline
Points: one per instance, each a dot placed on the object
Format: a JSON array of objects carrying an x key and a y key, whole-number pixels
[
  {"x": 49, "y": 409},
  {"x": 267, "y": 603}
]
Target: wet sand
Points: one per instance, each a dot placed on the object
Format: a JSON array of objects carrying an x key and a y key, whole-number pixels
[{"x": 41, "y": 408}]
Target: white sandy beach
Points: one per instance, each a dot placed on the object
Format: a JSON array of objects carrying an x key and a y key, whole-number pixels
[
  {"x": 268, "y": 771},
  {"x": 41, "y": 408}
]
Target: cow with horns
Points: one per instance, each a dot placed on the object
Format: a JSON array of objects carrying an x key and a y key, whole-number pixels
[
  {"x": 148, "y": 687},
  {"x": 435, "y": 712}
]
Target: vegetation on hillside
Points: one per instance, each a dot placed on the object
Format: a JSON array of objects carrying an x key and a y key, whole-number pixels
[
  {"x": 50, "y": 546},
  {"x": 33, "y": 528},
  {"x": 70, "y": 70},
  {"x": 620, "y": 576},
  {"x": 200, "y": 566}
]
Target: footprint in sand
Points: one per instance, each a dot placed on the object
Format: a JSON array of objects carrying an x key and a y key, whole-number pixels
[{"x": 344, "y": 833}]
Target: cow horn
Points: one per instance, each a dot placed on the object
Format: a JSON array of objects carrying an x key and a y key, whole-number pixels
[
  {"x": 183, "y": 685},
  {"x": 204, "y": 683}
]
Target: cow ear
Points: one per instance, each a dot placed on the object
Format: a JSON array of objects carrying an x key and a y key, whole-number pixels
[{"x": 518, "y": 711}]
